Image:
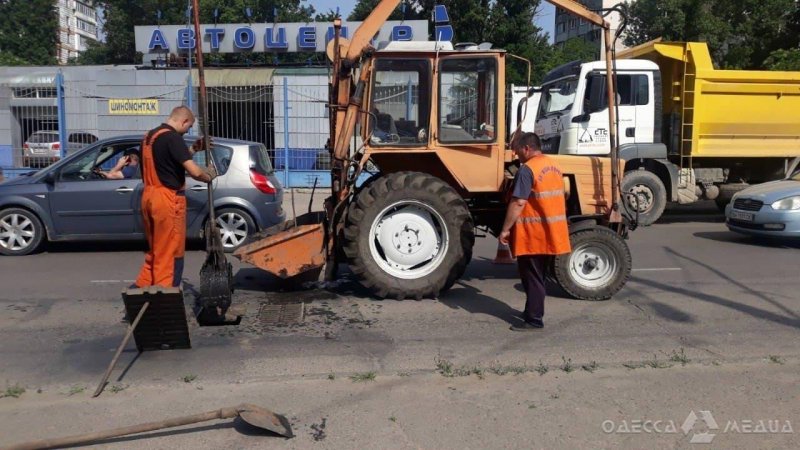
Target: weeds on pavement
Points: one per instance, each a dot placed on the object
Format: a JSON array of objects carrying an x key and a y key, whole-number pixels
[
  {"x": 541, "y": 369},
  {"x": 567, "y": 366},
  {"x": 656, "y": 364},
  {"x": 363, "y": 377},
  {"x": 331, "y": 376},
  {"x": 14, "y": 391},
  {"x": 116, "y": 388},
  {"x": 680, "y": 357},
  {"x": 76, "y": 390},
  {"x": 591, "y": 367},
  {"x": 393, "y": 419},
  {"x": 775, "y": 359},
  {"x": 189, "y": 378}
]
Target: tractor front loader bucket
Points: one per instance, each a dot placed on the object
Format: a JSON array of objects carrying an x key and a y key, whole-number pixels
[{"x": 289, "y": 252}]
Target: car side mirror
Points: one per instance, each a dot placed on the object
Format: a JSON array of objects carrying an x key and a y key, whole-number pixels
[
  {"x": 50, "y": 178},
  {"x": 583, "y": 118}
]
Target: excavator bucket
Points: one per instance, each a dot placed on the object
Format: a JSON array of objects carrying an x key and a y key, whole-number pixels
[{"x": 288, "y": 253}]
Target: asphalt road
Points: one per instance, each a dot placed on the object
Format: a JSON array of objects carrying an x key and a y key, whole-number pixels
[{"x": 701, "y": 299}]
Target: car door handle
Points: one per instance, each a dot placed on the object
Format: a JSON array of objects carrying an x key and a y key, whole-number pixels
[
  {"x": 199, "y": 188},
  {"x": 124, "y": 190}
]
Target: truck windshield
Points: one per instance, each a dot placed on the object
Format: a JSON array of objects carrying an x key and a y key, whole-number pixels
[{"x": 558, "y": 97}]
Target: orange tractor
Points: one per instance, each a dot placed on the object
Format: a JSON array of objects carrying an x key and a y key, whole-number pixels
[{"x": 444, "y": 168}]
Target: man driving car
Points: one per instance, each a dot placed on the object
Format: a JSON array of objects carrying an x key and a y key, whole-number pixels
[{"x": 126, "y": 167}]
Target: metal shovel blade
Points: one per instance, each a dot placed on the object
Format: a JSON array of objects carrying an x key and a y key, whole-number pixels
[{"x": 265, "y": 419}]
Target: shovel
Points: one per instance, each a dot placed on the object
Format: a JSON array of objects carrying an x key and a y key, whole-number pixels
[
  {"x": 216, "y": 275},
  {"x": 253, "y": 415}
]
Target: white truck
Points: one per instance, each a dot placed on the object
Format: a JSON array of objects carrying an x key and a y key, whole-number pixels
[{"x": 686, "y": 130}]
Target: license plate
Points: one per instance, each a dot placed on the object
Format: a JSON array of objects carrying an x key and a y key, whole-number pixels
[{"x": 738, "y": 215}]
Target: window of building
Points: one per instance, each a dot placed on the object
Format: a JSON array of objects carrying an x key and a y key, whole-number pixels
[
  {"x": 86, "y": 26},
  {"x": 562, "y": 27},
  {"x": 572, "y": 23},
  {"x": 85, "y": 9}
]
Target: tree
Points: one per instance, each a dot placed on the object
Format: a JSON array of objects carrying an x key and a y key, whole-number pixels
[
  {"x": 29, "y": 32},
  {"x": 784, "y": 60},
  {"x": 740, "y": 33}
]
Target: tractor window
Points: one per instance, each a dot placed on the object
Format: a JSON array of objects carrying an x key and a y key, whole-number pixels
[
  {"x": 400, "y": 107},
  {"x": 468, "y": 100}
]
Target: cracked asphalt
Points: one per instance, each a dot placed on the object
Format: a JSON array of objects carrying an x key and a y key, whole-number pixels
[{"x": 708, "y": 322}]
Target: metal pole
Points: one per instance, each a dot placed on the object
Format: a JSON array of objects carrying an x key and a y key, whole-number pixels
[
  {"x": 189, "y": 85},
  {"x": 285, "y": 133},
  {"x": 612, "y": 116},
  {"x": 409, "y": 98},
  {"x": 62, "y": 113}
]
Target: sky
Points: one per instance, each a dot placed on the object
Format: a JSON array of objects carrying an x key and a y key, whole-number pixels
[{"x": 545, "y": 19}]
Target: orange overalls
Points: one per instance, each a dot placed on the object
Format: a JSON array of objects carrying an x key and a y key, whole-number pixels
[{"x": 164, "y": 216}]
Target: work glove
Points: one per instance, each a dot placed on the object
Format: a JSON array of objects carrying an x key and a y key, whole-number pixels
[{"x": 212, "y": 173}]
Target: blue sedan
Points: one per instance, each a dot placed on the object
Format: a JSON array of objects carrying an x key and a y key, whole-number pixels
[{"x": 768, "y": 210}]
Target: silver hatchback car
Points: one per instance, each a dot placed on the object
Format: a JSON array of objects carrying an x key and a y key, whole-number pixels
[{"x": 70, "y": 201}]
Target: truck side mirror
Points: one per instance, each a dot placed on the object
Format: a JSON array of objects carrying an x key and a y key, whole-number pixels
[{"x": 583, "y": 118}]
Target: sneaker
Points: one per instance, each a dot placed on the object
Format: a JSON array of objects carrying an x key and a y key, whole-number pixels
[{"x": 529, "y": 325}]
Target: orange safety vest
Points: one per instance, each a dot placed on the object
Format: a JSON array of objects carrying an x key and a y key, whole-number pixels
[{"x": 542, "y": 228}]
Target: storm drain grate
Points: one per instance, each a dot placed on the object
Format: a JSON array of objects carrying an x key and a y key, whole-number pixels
[{"x": 282, "y": 314}]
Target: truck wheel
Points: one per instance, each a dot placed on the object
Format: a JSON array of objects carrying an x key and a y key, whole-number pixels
[
  {"x": 408, "y": 235},
  {"x": 597, "y": 268},
  {"x": 650, "y": 196},
  {"x": 21, "y": 232}
]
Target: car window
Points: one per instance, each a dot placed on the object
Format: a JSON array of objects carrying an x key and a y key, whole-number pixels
[
  {"x": 222, "y": 158},
  {"x": 103, "y": 158},
  {"x": 259, "y": 160},
  {"x": 42, "y": 138}
]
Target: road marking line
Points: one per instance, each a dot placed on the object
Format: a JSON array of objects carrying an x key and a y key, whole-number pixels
[{"x": 659, "y": 269}]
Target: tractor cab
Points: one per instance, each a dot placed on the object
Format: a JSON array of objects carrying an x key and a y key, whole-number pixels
[{"x": 442, "y": 104}]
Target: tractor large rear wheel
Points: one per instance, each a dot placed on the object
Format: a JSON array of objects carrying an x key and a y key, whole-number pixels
[
  {"x": 598, "y": 267},
  {"x": 408, "y": 235}
]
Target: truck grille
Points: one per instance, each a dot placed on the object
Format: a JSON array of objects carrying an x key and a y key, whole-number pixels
[{"x": 747, "y": 204}]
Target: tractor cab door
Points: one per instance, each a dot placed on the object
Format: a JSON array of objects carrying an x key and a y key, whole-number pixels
[{"x": 470, "y": 128}]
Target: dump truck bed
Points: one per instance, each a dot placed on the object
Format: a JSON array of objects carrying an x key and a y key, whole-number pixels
[{"x": 723, "y": 113}]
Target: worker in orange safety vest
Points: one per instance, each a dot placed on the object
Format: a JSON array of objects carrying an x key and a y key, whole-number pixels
[{"x": 535, "y": 224}]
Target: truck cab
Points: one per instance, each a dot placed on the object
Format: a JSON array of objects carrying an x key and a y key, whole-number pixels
[{"x": 573, "y": 111}]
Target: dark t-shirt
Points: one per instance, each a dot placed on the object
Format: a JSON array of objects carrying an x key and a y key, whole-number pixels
[
  {"x": 169, "y": 154},
  {"x": 523, "y": 182}
]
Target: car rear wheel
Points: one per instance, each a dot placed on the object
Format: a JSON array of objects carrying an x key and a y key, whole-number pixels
[
  {"x": 235, "y": 227},
  {"x": 21, "y": 232}
]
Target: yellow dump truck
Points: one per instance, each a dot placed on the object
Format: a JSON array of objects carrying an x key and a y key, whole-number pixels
[{"x": 687, "y": 131}]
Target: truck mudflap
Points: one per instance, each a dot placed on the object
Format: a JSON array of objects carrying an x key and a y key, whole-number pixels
[{"x": 287, "y": 250}]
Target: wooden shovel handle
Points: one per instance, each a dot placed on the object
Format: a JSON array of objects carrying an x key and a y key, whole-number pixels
[{"x": 224, "y": 413}]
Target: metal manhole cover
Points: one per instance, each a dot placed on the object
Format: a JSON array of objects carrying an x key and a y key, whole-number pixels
[{"x": 283, "y": 314}]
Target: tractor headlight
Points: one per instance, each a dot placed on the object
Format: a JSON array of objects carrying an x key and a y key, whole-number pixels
[{"x": 787, "y": 203}]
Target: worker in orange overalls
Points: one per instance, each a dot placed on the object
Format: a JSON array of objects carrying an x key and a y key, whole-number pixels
[
  {"x": 165, "y": 160},
  {"x": 536, "y": 223}
]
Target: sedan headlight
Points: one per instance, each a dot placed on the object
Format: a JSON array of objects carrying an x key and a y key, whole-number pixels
[{"x": 787, "y": 203}]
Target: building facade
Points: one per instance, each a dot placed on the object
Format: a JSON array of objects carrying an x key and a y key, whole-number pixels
[
  {"x": 569, "y": 26},
  {"x": 77, "y": 25}
]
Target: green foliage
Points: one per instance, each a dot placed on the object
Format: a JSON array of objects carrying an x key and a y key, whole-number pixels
[
  {"x": 784, "y": 60},
  {"x": 29, "y": 32},
  {"x": 741, "y": 34}
]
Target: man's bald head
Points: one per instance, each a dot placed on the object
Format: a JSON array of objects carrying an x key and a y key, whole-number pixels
[{"x": 181, "y": 118}]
